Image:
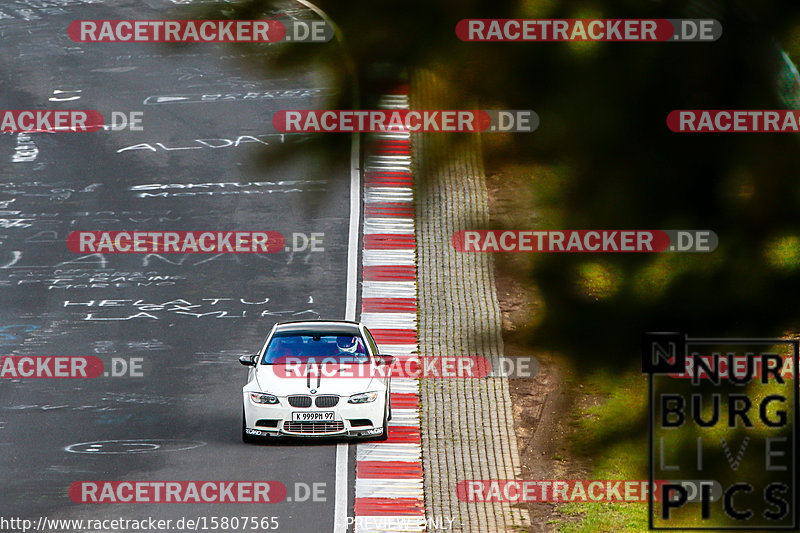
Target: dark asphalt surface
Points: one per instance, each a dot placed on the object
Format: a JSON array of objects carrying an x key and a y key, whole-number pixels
[{"x": 187, "y": 317}]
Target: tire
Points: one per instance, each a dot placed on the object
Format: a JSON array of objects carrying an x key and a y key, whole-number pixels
[
  {"x": 247, "y": 439},
  {"x": 385, "y": 434},
  {"x": 390, "y": 407}
]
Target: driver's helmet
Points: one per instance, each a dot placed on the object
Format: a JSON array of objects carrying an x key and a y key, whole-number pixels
[{"x": 347, "y": 344}]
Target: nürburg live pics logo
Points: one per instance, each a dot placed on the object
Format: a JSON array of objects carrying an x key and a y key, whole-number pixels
[{"x": 723, "y": 432}]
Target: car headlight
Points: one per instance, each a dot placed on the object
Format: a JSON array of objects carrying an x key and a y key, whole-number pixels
[
  {"x": 364, "y": 397},
  {"x": 260, "y": 397}
]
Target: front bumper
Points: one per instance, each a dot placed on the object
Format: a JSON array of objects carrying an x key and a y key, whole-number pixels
[
  {"x": 350, "y": 420},
  {"x": 360, "y": 433}
]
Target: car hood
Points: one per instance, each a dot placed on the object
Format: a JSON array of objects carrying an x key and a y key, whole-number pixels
[{"x": 272, "y": 379}]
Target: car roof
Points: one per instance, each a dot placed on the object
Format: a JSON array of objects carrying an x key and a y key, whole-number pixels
[{"x": 321, "y": 327}]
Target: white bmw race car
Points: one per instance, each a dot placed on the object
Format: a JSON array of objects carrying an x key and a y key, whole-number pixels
[{"x": 317, "y": 379}]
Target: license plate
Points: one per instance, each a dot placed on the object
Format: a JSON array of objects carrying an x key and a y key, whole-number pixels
[{"x": 312, "y": 416}]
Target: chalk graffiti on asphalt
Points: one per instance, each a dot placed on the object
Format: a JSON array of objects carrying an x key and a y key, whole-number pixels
[
  {"x": 36, "y": 9},
  {"x": 24, "y": 219},
  {"x": 25, "y": 150},
  {"x": 164, "y": 190},
  {"x": 115, "y": 347},
  {"x": 216, "y": 143},
  {"x": 129, "y": 309},
  {"x": 14, "y": 331},
  {"x": 89, "y": 279},
  {"x": 52, "y": 191},
  {"x": 238, "y": 97},
  {"x": 94, "y": 270}
]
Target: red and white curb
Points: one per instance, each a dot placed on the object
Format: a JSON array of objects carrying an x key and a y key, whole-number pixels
[{"x": 389, "y": 482}]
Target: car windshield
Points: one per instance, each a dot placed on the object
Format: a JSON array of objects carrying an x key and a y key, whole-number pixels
[{"x": 315, "y": 349}]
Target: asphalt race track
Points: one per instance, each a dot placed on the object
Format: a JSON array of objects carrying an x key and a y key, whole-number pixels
[{"x": 181, "y": 320}]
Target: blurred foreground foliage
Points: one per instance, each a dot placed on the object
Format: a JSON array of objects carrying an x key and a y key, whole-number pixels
[{"x": 603, "y": 108}]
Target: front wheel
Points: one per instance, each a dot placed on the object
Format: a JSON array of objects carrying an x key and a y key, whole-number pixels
[{"x": 385, "y": 433}]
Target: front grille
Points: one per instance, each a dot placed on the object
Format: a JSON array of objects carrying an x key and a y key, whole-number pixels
[
  {"x": 360, "y": 422},
  {"x": 300, "y": 401},
  {"x": 313, "y": 428},
  {"x": 326, "y": 401},
  {"x": 265, "y": 423}
]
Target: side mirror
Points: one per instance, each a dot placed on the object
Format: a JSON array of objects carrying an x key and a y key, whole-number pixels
[
  {"x": 385, "y": 360},
  {"x": 248, "y": 360}
]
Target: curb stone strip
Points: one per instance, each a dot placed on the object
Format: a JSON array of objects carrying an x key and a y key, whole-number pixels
[
  {"x": 389, "y": 479},
  {"x": 394, "y": 259}
]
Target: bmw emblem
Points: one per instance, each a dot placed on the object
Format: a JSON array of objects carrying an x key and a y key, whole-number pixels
[{"x": 313, "y": 391}]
